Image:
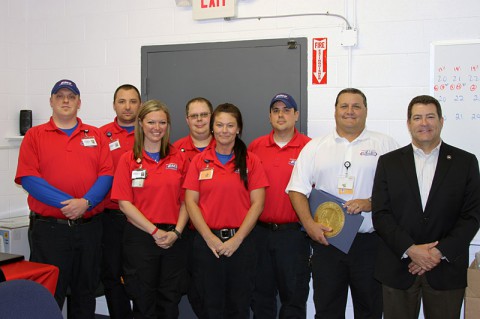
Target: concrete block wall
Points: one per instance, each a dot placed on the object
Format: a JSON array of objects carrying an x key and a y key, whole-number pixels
[{"x": 13, "y": 97}]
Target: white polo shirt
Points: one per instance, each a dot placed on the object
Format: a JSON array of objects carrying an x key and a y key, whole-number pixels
[{"x": 322, "y": 162}]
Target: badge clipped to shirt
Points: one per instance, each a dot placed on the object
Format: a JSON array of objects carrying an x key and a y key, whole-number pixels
[
  {"x": 138, "y": 177},
  {"x": 88, "y": 141},
  {"x": 114, "y": 145},
  {"x": 206, "y": 173},
  {"x": 345, "y": 182}
]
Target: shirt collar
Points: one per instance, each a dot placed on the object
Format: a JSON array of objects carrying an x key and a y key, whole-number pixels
[
  {"x": 51, "y": 126},
  {"x": 419, "y": 151},
  {"x": 361, "y": 137},
  {"x": 210, "y": 154},
  {"x": 118, "y": 128},
  {"x": 293, "y": 141}
]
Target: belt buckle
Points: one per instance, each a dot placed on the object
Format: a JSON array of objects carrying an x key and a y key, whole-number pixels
[
  {"x": 225, "y": 233},
  {"x": 274, "y": 226},
  {"x": 73, "y": 222}
]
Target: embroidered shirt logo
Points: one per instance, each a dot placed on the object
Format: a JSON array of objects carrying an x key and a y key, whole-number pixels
[
  {"x": 172, "y": 166},
  {"x": 368, "y": 153},
  {"x": 292, "y": 161}
]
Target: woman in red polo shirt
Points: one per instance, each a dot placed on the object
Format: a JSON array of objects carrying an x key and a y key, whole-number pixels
[
  {"x": 225, "y": 192},
  {"x": 147, "y": 185}
]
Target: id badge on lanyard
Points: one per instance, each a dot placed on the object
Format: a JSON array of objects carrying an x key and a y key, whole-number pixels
[
  {"x": 206, "y": 173},
  {"x": 139, "y": 175},
  {"x": 114, "y": 144},
  {"x": 345, "y": 182},
  {"x": 88, "y": 141}
]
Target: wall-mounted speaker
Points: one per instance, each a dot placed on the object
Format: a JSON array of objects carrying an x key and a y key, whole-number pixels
[{"x": 25, "y": 121}]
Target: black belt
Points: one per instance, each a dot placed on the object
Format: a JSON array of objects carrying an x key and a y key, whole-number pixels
[
  {"x": 69, "y": 222},
  {"x": 165, "y": 227},
  {"x": 225, "y": 233},
  {"x": 274, "y": 227},
  {"x": 113, "y": 211}
]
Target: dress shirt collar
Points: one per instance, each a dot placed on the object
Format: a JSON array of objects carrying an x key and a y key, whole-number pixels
[{"x": 420, "y": 152}]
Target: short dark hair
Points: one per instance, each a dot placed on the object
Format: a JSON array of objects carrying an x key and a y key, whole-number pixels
[
  {"x": 424, "y": 99},
  {"x": 352, "y": 91},
  {"x": 126, "y": 87},
  {"x": 198, "y": 99}
]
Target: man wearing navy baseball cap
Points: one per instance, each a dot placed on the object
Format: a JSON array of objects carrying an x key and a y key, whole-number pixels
[
  {"x": 283, "y": 249},
  {"x": 287, "y": 99},
  {"x": 65, "y": 84},
  {"x": 66, "y": 168}
]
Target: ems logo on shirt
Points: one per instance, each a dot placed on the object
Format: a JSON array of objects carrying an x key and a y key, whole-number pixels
[
  {"x": 368, "y": 153},
  {"x": 292, "y": 161},
  {"x": 172, "y": 166}
]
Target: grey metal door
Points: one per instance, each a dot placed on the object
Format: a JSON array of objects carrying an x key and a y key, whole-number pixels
[{"x": 245, "y": 73}]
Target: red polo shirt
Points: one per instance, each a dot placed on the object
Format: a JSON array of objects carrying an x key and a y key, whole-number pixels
[
  {"x": 278, "y": 164},
  {"x": 126, "y": 141},
  {"x": 185, "y": 144},
  {"x": 62, "y": 160},
  {"x": 223, "y": 200},
  {"x": 160, "y": 197}
]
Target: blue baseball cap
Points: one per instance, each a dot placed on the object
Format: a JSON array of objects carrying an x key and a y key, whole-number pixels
[
  {"x": 65, "y": 84},
  {"x": 285, "y": 98}
]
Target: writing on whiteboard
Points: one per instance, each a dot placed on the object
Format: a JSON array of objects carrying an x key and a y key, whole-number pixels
[
  {"x": 457, "y": 85},
  {"x": 455, "y": 82}
]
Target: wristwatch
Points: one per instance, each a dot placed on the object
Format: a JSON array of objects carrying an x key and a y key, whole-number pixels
[{"x": 179, "y": 234}]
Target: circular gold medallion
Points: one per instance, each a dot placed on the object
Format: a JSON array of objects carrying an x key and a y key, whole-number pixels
[{"x": 330, "y": 214}]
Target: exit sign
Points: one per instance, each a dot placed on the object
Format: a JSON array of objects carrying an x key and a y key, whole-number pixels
[{"x": 213, "y": 9}]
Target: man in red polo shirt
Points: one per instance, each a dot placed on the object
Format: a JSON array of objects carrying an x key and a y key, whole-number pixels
[
  {"x": 66, "y": 168},
  {"x": 198, "y": 113},
  {"x": 283, "y": 249},
  {"x": 120, "y": 135}
]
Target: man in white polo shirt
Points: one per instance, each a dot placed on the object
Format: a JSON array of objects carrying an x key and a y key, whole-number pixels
[{"x": 347, "y": 155}]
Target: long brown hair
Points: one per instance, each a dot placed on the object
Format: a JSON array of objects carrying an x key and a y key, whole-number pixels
[
  {"x": 239, "y": 148},
  {"x": 146, "y": 108}
]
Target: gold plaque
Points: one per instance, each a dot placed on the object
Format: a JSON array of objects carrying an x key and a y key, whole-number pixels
[{"x": 330, "y": 214}]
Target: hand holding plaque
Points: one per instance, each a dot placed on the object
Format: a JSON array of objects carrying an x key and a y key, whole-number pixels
[
  {"x": 328, "y": 210},
  {"x": 330, "y": 214}
]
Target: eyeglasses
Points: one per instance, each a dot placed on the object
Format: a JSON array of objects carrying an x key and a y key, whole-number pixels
[{"x": 197, "y": 116}]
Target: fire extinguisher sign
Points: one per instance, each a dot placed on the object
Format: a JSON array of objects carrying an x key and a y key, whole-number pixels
[{"x": 319, "y": 63}]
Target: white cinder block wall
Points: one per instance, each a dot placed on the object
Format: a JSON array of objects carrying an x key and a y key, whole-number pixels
[
  {"x": 97, "y": 44},
  {"x": 13, "y": 96}
]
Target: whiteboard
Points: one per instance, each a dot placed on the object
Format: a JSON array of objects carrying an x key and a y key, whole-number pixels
[{"x": 455, "y": 82}]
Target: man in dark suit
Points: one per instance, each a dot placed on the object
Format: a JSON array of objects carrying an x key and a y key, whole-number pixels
[{"x": 426, "y": 208}]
